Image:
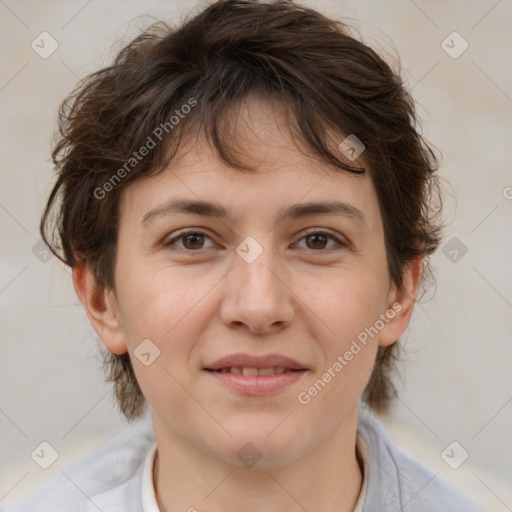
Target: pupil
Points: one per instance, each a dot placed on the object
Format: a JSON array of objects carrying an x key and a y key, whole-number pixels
[
  {"x": 192, "y": 236},
  {"x": 323, "y": 237}
]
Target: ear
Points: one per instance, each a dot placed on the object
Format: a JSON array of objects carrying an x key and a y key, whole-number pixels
[
  {"x": 101, "y": 308},
  {"x": 400, "y": 304}
]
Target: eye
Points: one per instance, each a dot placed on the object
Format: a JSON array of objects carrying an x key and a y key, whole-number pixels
[
  {"x": 319, "y": 239},
  {"x": 192, "y": 240}
]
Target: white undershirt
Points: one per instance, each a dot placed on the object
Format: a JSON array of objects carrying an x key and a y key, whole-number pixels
[{"x": 149, "y": 503}]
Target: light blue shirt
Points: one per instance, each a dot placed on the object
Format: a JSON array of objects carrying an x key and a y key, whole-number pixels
[{"x": 117, "y": 476}]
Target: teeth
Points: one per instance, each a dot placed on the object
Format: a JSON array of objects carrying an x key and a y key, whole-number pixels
[
  {"x": 278, "y": 369},
  {"x": 266, "y": 371},
  {"x": 254, "y": 371},
  {"x": 249, "y": 371}
]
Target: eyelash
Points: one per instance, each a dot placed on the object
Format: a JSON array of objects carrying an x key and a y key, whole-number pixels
[{"x": 170, "y": 243}]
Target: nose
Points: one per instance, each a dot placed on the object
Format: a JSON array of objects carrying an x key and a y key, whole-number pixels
[{"x": 257, "y": 296}]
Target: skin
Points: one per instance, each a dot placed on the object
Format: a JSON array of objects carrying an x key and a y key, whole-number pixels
[{"x": 302, "y": 297}]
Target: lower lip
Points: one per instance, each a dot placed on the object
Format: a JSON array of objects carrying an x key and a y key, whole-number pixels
[{"x": 257, "y": 385}]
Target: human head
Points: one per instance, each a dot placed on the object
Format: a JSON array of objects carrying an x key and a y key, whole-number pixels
[{"x": 168, "y": 83}]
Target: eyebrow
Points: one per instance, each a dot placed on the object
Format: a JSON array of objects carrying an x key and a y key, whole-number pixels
[{"x": 295, "y": 211}]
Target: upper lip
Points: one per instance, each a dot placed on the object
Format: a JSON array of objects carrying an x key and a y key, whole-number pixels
[{"x": 250, "y": 361}]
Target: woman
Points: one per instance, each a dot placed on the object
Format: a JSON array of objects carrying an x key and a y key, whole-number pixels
[{"x": 248, "y": 211}]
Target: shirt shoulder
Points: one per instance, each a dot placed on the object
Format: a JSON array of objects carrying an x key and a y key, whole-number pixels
[
  {"x": 108, "y": 478},
  {"x": 396, "y": 480}
]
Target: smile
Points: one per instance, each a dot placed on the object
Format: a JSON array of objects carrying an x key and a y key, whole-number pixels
[
  {"x": 256, "y": 381},
  {"x": 253, "y": 371}
]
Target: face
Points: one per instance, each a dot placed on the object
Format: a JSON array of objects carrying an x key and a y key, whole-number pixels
[{"x": 201, "y": 287}]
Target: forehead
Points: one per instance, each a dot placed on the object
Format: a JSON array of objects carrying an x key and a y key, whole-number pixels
[{"x": 281, "y": 174}]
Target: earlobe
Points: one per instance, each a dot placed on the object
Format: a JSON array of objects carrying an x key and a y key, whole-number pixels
[
  {"x": 401, "y": 304},
  {"x": 101, "y": 308}
]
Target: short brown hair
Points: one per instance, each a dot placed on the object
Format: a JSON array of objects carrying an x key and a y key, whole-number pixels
[{"x": 327, "y": 79}]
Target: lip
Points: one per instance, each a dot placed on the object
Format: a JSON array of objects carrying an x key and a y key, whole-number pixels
[
  {"x": 252, "y": 361},
  {"x": 257, "y": 385}
]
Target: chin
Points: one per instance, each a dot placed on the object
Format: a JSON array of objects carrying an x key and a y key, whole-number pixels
[{"x": 254, "y": 447}]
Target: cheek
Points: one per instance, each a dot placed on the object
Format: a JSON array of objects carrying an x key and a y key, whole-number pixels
[
  {"x": 170, "y": 309},
  {"x": 348, "y": 303},
  {"x": 168, "y": 313},
  {"x": 349, "y": 308},
  {"x": 158, "y": 302}
]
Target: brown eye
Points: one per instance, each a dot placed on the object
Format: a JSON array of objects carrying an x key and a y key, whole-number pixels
[
  {"x": 191, "y": 241},
  {"x": 318, "y": 240}
]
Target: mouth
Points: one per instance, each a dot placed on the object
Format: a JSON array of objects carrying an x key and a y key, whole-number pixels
[
  {"x": 251, "y": 381},
  {"x": 253, "y": 372},
  {"x": 253, "y": 364},
  {"x": 255, "y": 375}
]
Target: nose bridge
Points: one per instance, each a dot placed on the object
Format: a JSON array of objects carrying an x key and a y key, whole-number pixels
[
  {"x": 255, "y": 294},
  {"x": 254, "y": 262}
]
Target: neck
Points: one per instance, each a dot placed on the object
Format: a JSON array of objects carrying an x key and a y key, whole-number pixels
[{"x": 327, "y": 478}]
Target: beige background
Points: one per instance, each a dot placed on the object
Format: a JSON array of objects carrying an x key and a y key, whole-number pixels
[{"x": 457, "y": 377}]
